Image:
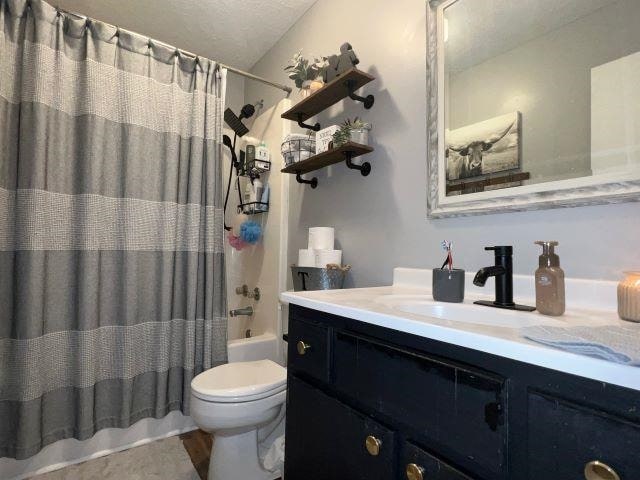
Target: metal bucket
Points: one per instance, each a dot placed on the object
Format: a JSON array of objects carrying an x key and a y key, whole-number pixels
[{"x": 313, "y": 278}]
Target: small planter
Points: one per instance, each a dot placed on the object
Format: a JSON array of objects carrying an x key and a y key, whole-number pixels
[
  {"x": 360, "y": 135},
  {"x": 355, "y": 131},
  {"x": 448, "y": 286},
  {"x": 309, "y": 87}
]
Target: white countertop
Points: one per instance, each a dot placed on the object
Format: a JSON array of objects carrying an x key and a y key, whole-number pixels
[{"x": 375, "y": 306}]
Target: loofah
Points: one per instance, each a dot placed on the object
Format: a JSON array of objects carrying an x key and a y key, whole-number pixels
[
  {"x": 250, "y": 231},
  {"x": 236, "y": 242}
]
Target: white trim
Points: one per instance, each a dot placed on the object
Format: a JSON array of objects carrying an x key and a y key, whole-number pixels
[{"x": 283, "y": 261}]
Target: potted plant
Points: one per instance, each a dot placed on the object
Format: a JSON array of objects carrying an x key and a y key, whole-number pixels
[
  {"x": 306, "y": 75},
  {"x": 355, "y": 130}
]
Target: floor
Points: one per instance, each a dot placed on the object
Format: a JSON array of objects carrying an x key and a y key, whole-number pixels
[
  {"x": 198, "y": 445},
  {"x": 175, "y": 458}
]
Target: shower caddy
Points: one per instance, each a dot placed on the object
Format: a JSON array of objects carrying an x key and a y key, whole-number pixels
[
  {"x": 252, "y": 170},
  {"x": 336, "y": 90}
]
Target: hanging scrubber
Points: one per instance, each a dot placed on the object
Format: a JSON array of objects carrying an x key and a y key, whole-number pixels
[
  {"x": 236, "y": 242},
  {"x": 250, "y": 232}
]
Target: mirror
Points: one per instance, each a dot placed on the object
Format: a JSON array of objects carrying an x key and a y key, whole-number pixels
[{"x": 533, "y": 104}]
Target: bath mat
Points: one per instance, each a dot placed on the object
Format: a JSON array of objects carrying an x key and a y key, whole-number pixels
[{"x": 160, "y": 460}]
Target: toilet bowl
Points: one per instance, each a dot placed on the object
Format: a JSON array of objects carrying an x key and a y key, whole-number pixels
[{"x": 233, "y": 402}]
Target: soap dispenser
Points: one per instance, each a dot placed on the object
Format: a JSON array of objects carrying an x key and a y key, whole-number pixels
[{"x": 550, "y": 297}]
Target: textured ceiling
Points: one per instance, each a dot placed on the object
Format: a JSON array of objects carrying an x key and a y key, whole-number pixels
[
  {"x": 235, "y": 32},
  {"x": 482, "y": 29}
]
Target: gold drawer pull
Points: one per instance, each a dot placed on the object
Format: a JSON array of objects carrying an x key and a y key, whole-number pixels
[
  {"x": 302, "y": 347},
  {"x": 596, "y": 470},
  {"x": 415, "y": 472},
  {"x": 373, "y": 445}
]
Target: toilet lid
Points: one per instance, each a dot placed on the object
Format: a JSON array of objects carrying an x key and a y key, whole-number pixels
[{"x": 240, "y": 381}]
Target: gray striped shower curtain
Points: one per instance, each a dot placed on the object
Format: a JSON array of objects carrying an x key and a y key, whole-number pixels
[{"x": 112, "y": 292}]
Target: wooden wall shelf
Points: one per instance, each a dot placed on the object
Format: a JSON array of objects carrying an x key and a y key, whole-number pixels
[
  {"x": 339, "y": 88},
  {"x": 345, "y": 153}
]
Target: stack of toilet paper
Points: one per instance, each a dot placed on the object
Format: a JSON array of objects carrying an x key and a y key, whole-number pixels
[{"x": 320, "y": 252}]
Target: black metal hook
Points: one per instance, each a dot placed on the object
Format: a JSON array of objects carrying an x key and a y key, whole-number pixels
[
  {"x": 367, "y": 101},
  {"x": 301, "y": 124},
  {"x": 313, "y": 182},
  {"x": 365, "y": 168}
]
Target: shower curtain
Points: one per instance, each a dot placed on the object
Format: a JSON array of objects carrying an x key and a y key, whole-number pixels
[{"x": 111, "y": 229}]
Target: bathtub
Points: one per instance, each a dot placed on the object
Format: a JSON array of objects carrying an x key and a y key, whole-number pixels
[
  {"x": 110, "y": 440},
  {"x": 260, "y": 347}
]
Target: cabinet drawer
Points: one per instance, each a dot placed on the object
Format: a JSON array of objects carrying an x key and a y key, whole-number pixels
[
  {"x": 416, "y": 464},
  {"x": 308, "y": 349},
  {"x": 564, "y": 437},
  {"x": 327, "y": 440},
  {"x": 458, "y": 411}
]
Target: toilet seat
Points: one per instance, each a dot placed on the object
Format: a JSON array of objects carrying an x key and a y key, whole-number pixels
[{"x": 240, "y": 382}]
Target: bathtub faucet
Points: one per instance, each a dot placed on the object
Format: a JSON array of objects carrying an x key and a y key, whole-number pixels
[{"x": 248, "y": 311}]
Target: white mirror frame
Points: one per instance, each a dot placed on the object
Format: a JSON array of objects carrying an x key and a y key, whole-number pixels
[{"x": 594, "y": 190}]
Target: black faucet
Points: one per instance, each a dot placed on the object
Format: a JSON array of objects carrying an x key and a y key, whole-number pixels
[{"x": 503, "y": 271}]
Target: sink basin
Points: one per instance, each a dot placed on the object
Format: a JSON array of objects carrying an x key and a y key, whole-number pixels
[{"x": 423, "y": 305}]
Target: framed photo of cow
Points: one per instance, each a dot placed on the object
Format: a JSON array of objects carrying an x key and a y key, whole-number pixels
[
  {"x": 478, "y": 154},
  {"x": 534, "y": 109}
]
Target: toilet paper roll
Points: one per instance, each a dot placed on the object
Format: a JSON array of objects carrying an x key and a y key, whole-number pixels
[
  {"x": 321, "y": 238},
  {"x": 325, "y": 257},
  {"x": 306, "y": 258}
]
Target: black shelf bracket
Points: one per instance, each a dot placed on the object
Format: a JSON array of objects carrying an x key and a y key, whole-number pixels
[
  {"x": 313, "y": 182},
  {"x": 367, "y": 101},
  {"x": 365, "y": 168},
  {"x": 301, "y": 124}
]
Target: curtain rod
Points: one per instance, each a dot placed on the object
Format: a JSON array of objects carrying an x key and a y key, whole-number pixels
[
  {"x": 251, "y": 76},
  {"x": 235, "y": 70}
]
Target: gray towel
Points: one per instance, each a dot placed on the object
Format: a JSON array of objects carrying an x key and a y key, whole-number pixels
[{"x": 619, "y": 344}]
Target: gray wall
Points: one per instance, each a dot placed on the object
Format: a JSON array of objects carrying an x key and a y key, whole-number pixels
[
  {"x": 548, "y": 80},
  {"x": 381, "y": 219}
]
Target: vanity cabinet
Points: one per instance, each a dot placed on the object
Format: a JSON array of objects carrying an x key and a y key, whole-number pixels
[{"x": 366, "y": 402}]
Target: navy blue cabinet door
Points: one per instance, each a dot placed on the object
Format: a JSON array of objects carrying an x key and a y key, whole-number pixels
[
  {"x": 326, "y": 440},
  {"x": 565, "y": 437}
]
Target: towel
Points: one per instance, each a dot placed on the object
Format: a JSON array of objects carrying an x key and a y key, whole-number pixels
[{"x": 619, "y": 344}]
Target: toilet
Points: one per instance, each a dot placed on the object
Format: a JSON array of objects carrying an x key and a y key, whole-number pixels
[{"x": 234, "y": 402}]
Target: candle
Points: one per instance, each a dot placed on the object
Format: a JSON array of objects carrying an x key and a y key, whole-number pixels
[{"x": 629, "y": 297}]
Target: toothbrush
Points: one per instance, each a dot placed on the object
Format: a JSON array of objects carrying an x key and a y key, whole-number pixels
[{"x": 447, "y": 246}]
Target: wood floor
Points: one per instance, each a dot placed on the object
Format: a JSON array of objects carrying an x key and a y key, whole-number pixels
[{"x": 198, "y": 445}]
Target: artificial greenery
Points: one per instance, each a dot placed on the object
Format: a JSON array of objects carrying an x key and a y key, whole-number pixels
[
  {"x": 343, "y": 134},
  {"x": 355, "y": 124},
  {"x": 300, "y": 69}
]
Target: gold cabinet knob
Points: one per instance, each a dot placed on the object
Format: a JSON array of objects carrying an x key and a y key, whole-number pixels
[
  {"x": 373, "y": 445},
  {"x": 414, "y": 472},
  {"x": 302, "y": 347},
  {"x": 596, "y": 470}
]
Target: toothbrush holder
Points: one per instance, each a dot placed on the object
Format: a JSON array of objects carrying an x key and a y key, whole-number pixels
[{"x": 448, "y": 286}]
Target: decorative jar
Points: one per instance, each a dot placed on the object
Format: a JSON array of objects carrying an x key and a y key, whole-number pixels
[
  {"x": 629, "y": 297},
  {"x": 310, "y": 86}
]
